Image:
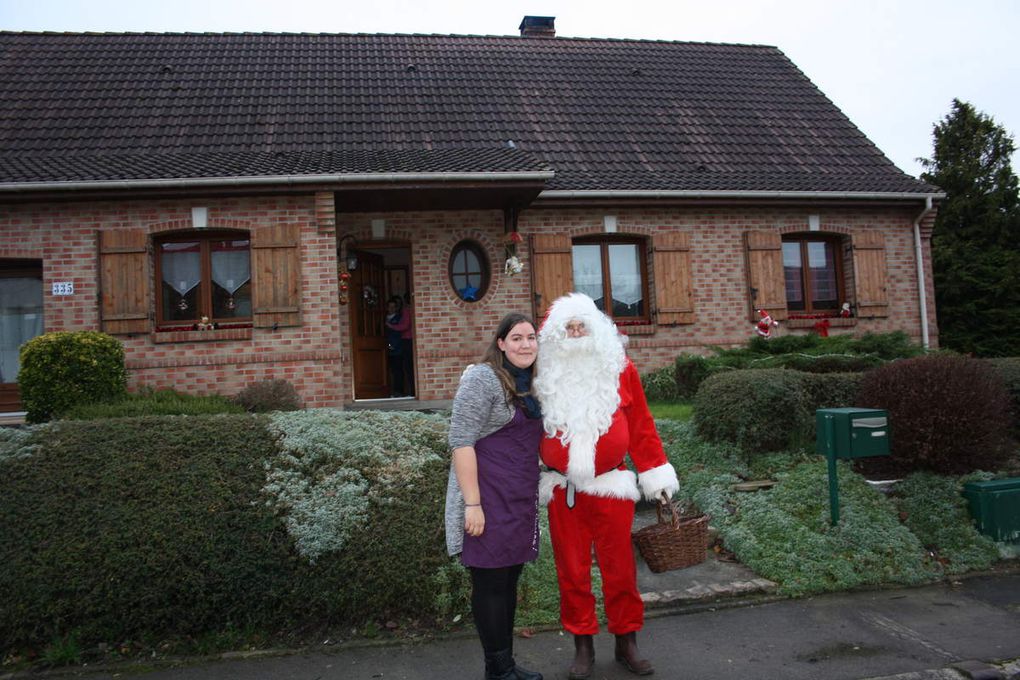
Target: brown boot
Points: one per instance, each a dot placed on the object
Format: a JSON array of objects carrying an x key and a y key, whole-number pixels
[
  {"x": 584, "y": 658},
  {"x": 627, "y": 655}
]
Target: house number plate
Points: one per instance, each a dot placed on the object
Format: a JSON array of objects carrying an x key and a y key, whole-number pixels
[{"x": 63, "y": 288}]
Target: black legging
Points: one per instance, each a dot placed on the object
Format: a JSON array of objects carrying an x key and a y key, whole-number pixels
[{"x": 494, "y": 605}]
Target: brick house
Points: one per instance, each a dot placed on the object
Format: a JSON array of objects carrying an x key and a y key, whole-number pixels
[{"x": 285, "y": 186}]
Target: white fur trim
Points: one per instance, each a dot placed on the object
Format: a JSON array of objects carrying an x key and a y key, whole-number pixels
[
  {"x": 613, "y": 484},
  {"x": 662, "y": 478},
  {"x": 547, "y": 482},
  {"x": 581, "y": 458}
]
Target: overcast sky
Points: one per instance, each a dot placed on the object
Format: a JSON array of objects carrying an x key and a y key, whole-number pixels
[{"x": 892, "y": 66}]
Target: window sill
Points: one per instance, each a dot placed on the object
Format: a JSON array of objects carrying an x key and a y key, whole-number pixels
[
  {"x": 834, "y": 322},
  {"x": 217, "y": 335}
]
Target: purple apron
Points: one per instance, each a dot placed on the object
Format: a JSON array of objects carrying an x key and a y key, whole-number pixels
[{"x": 508, "y": 482}]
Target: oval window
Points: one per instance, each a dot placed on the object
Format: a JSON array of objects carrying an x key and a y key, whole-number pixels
[{"x": 469, "y": 271}]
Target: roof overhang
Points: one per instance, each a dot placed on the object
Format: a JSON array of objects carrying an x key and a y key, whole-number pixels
[
  {"x": 362, "y": 191},
  {"x": 636, "y": 197}
]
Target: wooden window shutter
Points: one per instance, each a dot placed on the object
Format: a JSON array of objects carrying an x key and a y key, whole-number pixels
[
  {"x": 276, "y": 275},
  {"x": 870, "y": 274},
  {"x": 765, "y": 273},
  {"x": 674, "y": 298},
  {"x": 124, "y": 281},
  {"x": 552, "y": 271}
]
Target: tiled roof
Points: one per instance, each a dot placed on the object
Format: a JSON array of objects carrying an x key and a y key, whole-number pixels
[
  {"x": 603, "y": 114},
  {"x": 153, "y": 165}
]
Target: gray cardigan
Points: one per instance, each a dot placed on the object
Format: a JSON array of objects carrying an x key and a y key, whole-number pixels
[{"x": 479, "y": 409}]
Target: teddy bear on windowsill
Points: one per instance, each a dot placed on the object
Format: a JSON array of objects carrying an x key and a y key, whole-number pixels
[{"x": 205, "y": 325}]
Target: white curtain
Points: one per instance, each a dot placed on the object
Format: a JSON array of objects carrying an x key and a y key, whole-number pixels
[
  {"x": 182, "y": 269},
  {"x": 587, "y": 265},
  {"x": 625, "y": 269},
  {"x": 21, "y": 319},
  {"x": 230, "y": 269}
]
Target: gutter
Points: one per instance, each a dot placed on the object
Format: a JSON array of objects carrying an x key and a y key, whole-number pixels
[
  {"x": 350, "y": 178},
  {"x": 922, "y": 295},
  {"x": 854, "y": 195}
]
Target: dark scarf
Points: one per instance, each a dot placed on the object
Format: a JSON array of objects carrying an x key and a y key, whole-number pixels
[{"x": 522, "y": 383}]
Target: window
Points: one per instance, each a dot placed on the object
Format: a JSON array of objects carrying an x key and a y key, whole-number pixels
[
  {"x": 204, "y": 276},
  {"x": 812, "y": 268},
  {"x": 469, "y": 271},
  {"x": 21, "y": 313},
  {"x": 612, "y": 272}
]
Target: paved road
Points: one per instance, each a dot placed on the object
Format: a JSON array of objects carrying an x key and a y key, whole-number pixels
[{"x": 909, "y": 634}]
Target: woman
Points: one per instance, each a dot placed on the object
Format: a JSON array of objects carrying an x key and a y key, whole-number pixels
[
  {"x": 394, "y": 344},
  {"x": 398, "y": 322},
  {"x": 492, "y": 502}
]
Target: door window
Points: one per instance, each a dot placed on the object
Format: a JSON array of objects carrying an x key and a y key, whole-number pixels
[{"x": 21, "y": 312}]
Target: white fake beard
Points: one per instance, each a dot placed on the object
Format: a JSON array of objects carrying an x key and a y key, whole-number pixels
[{"x": 578, "y": 386}]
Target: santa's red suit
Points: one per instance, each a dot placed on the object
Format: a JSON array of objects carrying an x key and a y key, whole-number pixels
[{"x": 589, "y": 489}]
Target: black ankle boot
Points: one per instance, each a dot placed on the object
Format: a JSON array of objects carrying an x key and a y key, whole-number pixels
[
  {"x": 499, "y": 665},
  {"x": 524, "y": 674}
]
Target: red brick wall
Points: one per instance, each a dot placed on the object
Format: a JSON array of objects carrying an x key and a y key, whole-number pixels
[
  {"x": 63, "y": 235},
  {"x": 449, "y": 333}
]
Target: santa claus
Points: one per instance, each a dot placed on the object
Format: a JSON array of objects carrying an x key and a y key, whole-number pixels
[{"x": 595, "y": 415}]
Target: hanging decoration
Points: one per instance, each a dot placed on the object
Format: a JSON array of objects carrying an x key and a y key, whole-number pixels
[
  {"x": 513, "y": 262},
  {"x": 344, "y": 277},
  {"x": 765, "y": 324}
]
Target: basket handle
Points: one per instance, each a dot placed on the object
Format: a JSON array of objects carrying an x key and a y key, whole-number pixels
[{"x": 674, "y": 513}]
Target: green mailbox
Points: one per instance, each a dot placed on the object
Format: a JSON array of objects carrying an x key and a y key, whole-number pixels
[
  {"x": 995, "y": 507},
  {"x": 849, "y": 433}
]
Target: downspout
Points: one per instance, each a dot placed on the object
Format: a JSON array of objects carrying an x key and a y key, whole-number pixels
[{"x": 920, "y": 271}]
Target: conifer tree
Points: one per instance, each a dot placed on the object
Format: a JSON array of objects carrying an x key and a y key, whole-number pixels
[{"x": 976, "y": 241}]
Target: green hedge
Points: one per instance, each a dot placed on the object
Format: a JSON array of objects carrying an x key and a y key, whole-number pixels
[
  {"x": 153, "y": 528},
  {"x": 762, "y": 410},
  {"x": 148, "y": 402},
  {"x": 758, "y": 410},
  {"x": 63, "y": 369},
  {"x": 808, "y": 353}
]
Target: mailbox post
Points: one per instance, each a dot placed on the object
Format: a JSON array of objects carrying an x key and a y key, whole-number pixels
[{"x": 849, "y": 433}]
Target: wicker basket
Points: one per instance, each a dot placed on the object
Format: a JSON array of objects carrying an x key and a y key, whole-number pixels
[{"x": 674, "y": 542}]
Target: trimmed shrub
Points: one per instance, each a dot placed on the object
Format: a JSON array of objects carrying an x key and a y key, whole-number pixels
[
  {"x": 758, "y": 410},
  {"x": 660, "y": 385},
  {"x": 810, "y": 352},
  {"x": 689, "y": 371},
  {"x": 830, "y": 390},
  {"x": 947, "y": 414},
  {"x": 63, "y": 369},
  {"x": 269, "y": 395},
  {"x": 148, "y": 402},
  {"x": 167, "y": 527},
  {"x": 830, "y": 363}
]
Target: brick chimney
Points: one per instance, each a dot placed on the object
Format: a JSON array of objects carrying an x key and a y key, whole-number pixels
[{"x": 538, "y": 27}]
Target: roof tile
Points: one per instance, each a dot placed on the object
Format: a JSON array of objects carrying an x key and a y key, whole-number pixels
[{"x": 604, "y": 114}]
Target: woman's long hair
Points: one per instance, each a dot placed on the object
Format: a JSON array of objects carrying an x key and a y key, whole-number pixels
[{"x": 494, "y": 356}]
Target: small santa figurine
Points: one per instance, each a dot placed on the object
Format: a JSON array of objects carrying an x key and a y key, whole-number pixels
[
  {"x": 765, "y": 324},
  {"x": 844, "y": 311},
  {"x": 595, "y": 415}
]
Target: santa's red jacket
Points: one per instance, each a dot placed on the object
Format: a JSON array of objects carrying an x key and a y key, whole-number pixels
[{"x": 632, "y": 431}]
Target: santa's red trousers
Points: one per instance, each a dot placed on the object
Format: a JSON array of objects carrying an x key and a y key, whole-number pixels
[{"x": 606, "y": 524}]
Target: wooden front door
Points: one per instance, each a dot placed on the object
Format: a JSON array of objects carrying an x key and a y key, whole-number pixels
[
  {"x": 368, "y": 312},
  {"x": 21, "y": 319}
]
